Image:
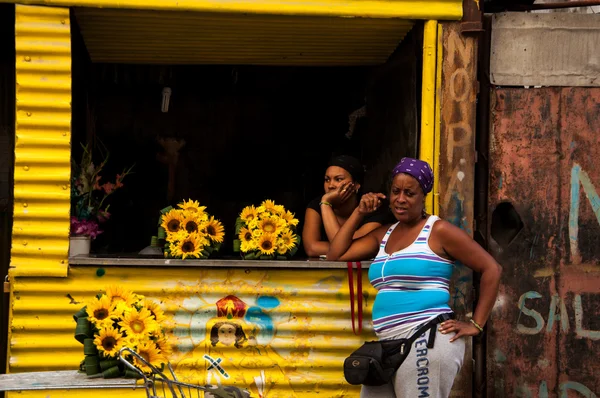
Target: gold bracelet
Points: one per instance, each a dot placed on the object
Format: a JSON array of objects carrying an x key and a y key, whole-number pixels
[
  {"x": 477, "y": 326},
  {"x": 325, "y": 203}
]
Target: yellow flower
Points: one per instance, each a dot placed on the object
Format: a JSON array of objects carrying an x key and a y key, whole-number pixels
[
  {"x": 271, "y": 225},
  {"x": 266, "y": 244},
  {"x": 164, "y": 346},
  {"x": 172, "y": 221},
  {"x": 155, "y": 311},
  {"x": 190, "y": 223},
  {"x": 281, "y": 249},
  {"x": 288, "y": 239},
  {"x": 149, "y": 351},
  {"x": 192, "y": 206},
  {"x": 138, "y": 324},
  {"x": 253, "y": 225},
  {"x": 248, "y": 214},
  {"x": 245, "y": 235},
  {"x": 267, "y": 206},
  {"x": 100, "y": 311},
  {"x": 120, "y": 296},
  {"x": 215, "y": 230},
  {"x": 109, "y": 341},
  {"x": 288, "y": 216},
  {"x": 248, "y": 246},
  {"x": 280, "y": 210},
  {"x": 191, "y": 246}
]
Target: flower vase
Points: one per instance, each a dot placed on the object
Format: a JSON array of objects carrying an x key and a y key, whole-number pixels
[{"x": 79, "y": 245}]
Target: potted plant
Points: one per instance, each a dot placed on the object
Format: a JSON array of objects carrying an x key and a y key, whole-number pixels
[{"x": 89, "y": 191}]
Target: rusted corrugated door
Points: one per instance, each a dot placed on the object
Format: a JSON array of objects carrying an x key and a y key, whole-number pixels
[{"x": 545, "y": 204}]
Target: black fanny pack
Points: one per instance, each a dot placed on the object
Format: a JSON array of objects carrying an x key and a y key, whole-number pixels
[{"x": 375, "y": 362}]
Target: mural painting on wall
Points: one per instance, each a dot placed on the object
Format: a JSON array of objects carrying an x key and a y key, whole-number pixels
[{"x": 269, "y": 340}]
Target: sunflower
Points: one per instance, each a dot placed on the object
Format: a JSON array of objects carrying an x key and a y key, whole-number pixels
[
  {"x": 248, "y": 246},
  {"x": 192, "y": 206},
  {"x": 215, "y": 230},
  {"x": 245, "y": 235},
  {"x": 288, "y": 216},
  {"x": 281, "y": 249},
  {"x": 121, "y": 296},
  {"x": 191, "y": 246},
  {"x": 138, "y": 324},
  {"x": 109, "y": 341},
  {"x": 149, "y": 351},
  {"x": 280, "y": 210},
  {"x": 266, "y": 244},
  {"x": 155, "y": 311},
  {"x": 249, "y": 213},
  {"x": 190, "y": 223},
  {"x": 163, "y": 345},
  {"x": 271, "y": 225},
  {"x": 172, "y": 221},
  {"x": 267, "y": 206},
  {"x": 288, "y": 239},
  {"x": 100, "y": 311}
]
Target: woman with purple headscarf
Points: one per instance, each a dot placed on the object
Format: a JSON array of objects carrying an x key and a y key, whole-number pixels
[{"x": 414, "y": 260}]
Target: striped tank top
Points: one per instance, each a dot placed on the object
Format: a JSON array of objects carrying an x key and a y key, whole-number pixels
[{"x": 412, "y": 285}]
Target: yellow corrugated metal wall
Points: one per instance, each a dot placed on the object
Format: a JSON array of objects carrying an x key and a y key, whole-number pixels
[
  {"x": 43, "y": 141},
  {"x": 297, "y": 323}
]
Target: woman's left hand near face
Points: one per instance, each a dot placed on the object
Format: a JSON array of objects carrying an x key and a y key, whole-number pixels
[{"x": 460, "y": 328}]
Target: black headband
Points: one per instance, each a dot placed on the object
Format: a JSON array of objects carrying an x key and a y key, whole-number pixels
[{"x": 351, "y": 165}]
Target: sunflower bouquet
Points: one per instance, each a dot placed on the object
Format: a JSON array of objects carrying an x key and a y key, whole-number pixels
[
  {"x": 266, "y": 232},
  {"x": 117, "y": 319},
  {"x": 189, "y": 231}
]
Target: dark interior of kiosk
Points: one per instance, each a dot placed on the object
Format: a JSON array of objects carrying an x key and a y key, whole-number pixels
[{"x": 251, "y": 133}]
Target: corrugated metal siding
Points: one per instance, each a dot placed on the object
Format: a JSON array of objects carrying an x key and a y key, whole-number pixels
[
  {"x": 153, "y": 37},
  {"x": 306, "y": 310},
  {"x": 43, "y": 141},
  {"x": 544, "y": 332},
  {"x": 405, "y": 9}
]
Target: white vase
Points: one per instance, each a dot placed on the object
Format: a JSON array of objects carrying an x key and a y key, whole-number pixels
[{"x": 79, "y": 245}]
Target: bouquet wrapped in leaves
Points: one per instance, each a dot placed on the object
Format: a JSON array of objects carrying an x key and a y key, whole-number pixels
[
  {"x": 190, "y": 231},
  {"x": 266, "y": 232},
  {"x": 117, "y": 319}
]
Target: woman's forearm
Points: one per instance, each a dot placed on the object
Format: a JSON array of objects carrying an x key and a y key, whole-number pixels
[
  {"x": 316, "y": 249},
  {"x": 490, "y": 281},
  {"x": 330, "y": 222},
  {"x": 343, "y": 239}
]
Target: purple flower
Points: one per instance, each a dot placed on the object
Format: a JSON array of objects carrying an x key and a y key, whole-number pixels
[{"x": 84, "y": 228}]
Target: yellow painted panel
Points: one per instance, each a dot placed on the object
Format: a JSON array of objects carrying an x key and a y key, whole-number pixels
[
  {"x": 427, "y": 137},
  {"x": 42, "y": 149},
  {"x": 297, "y": 325},
  {"x": 406, "y": 9},
  {"x": 141, "y": 36}
]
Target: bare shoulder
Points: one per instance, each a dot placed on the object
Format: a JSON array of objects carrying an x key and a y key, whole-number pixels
[
  {"x": 379, "y": 233},
  {"x": 444, "y": 229}
]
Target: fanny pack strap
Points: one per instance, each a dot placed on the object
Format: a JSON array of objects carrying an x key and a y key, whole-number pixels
[
  {"x": 359, "y": 297},
  {"x": 429, "y": 325}
]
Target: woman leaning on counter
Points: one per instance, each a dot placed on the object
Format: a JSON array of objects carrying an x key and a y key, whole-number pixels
[{"x": 414, "y": 260}]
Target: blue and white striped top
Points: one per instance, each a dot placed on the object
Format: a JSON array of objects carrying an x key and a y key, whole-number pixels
[{"x": 412, "y": 285}]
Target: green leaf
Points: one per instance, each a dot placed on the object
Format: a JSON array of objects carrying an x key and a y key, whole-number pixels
[
  {"x": 217, "y": 246},
  {"x": 112, "y": 373},
  {"x": 208, "y": 249},
  {"x": 265, "y": 257},
  {"x": 89, "y": 348},
  {"x": 92, "y": 365},
  {"x": 166, "y": 210},
  {"x": 162, "y": 234},
  {"x": 109, "y": 363},
  {"x": 130, "y": 374},
  {"x": 83, "y": 330},
  {"x": 293, "y": 251},
  {"x": 250, "y": 256},
  {"x": 237, "y": 245},
  {"x": 281, "y": 258},
  {"x": 82, "y": 313}
]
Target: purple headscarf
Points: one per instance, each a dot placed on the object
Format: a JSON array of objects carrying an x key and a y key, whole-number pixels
[{"x": 419, "y": 169}]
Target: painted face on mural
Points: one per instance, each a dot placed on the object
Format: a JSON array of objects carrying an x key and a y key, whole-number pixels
[{"x": 227, "y": 334}]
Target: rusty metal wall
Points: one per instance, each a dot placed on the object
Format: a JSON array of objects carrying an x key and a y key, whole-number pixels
[
  {"x": 297, "y": 322},
  {"x": 544, "y": 334},
  {"x": 456, "y": 165},
  {"x": 40, "y": 239}
]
